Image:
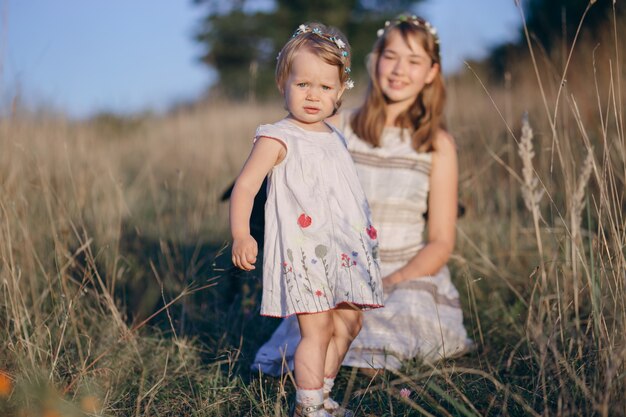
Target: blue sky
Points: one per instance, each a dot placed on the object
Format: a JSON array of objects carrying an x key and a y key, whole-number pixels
[{"x": 85, "y": 56}]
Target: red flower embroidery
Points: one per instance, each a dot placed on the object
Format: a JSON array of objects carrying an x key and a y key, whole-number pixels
[
  {"x": 319, "y": 293},
  {"x": 371, "y": 232},
  {"x": 346, "y": 261},
  {"x": 304, "y": 221}
]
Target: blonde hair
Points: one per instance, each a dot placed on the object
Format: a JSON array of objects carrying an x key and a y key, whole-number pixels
[
  {"x": 425, "y": 116},
  {"x": 321, "y": 40}
]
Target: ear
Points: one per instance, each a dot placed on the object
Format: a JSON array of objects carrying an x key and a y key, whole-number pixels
[
  {"x": 432, "y": 73},
  {"x": 341, "y": 91}
]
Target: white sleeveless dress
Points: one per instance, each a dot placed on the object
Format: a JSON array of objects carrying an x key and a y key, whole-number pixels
[
  {"x": 422, "y": 316},
  {"x": 321, "y": 248}
]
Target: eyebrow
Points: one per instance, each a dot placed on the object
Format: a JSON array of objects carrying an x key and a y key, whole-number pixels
[
  {"x": 411, "y": 55},
  {"x": 328, "y": 82}
]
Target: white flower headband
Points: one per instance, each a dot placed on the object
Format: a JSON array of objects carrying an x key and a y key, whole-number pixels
[
  {"x": 415, "y": 21},
  {"x": 341, "y": 45}
]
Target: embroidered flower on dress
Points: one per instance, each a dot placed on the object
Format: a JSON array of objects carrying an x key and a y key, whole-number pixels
[
  {"x": 287, "y": 268},
  {"x": 304, "y": 221},
  {"x": 371, "y": 232},
  {"x": 319, "y": 293},
  {"x": 321, "y": 251},
  {"x": 346, "y": 261}
]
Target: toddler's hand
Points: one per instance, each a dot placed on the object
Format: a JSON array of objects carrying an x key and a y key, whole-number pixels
[{"x": 245, "y": 250}]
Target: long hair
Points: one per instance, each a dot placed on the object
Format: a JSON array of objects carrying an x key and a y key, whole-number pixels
[{"x": 425, "y": 115}]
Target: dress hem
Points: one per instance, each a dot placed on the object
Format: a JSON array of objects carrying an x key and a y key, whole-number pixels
[{"x": 368, "y": 306}]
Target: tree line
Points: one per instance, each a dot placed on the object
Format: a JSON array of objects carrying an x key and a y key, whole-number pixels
[{"x": 241, "y": 43}]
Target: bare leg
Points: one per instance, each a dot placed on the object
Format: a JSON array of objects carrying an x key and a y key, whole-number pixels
[
  {"x": 347, "y": 323},
  {"x": 332, "y": 363},
  {"x": 316, "y": 331}
]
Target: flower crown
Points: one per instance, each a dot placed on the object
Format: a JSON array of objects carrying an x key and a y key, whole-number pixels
[
  {"x": 415, "y": 21},
  {"x": 341, "y": 45}
]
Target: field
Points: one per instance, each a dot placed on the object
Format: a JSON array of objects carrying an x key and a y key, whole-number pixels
[{"x": 117, "y": 297}]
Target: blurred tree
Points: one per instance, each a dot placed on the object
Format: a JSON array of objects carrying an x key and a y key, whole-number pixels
[
  {"x": 552, "y": 20},
  {"x": 241, "y": 45},
  {"x": 553, "y": 24}
]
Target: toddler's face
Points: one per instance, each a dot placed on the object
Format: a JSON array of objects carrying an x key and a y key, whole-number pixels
[{"x": 311, "y": 90}]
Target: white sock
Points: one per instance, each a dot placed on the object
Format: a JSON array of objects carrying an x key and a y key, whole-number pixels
[
  {"x": 307, "y": 397},
  {"x": 329, "y": 403}
]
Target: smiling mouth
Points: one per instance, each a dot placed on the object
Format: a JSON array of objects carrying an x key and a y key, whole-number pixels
[{"x": 396, "y": 84}]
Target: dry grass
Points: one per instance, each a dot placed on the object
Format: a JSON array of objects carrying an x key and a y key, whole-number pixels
[{"x": 114, "y": 301}]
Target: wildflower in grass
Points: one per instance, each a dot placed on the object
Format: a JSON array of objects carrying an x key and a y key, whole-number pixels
[
  {"x": 405, "y": 393},
  {"x": 6, "y": 385}
]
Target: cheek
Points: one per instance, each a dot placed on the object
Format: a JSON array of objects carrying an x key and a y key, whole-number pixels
[
  {"x": 420, "y": 75},
  {"x": 383, "y": 68},
  {"x": 292, "y": 95}
]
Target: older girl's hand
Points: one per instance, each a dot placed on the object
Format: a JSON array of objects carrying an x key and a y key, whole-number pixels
[
  {"x": 392, "y": 280},
  {"x": 245, "y": 251}
]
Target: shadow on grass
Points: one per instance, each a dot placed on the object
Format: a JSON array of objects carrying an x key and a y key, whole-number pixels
[{"x": 224, "y": 318}]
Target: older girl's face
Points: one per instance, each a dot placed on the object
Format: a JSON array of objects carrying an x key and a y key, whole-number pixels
[{"x": 404, "y": 69}]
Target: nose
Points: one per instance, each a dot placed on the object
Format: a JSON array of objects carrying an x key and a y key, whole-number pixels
[
  {"x": 399, "y": 67},
  {"x": 312, "y": 94}
]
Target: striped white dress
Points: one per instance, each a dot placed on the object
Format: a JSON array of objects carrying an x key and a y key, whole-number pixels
[{"x": 422, "y": 316}]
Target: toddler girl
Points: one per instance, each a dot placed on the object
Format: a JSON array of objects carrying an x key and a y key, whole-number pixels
[{"x": 320, "y": 251}]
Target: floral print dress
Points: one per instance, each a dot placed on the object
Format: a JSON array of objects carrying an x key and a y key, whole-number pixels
[{"x": 320, "y": 245}]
